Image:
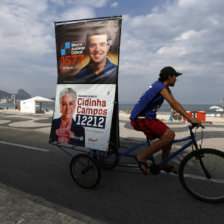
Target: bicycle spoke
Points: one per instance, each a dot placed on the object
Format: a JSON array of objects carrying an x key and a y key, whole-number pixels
[
  {"x": 85, "y": 171},
  {"x": 202, "y": 175}
]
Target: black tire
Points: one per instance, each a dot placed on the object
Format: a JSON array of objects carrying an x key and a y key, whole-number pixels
[
  {"x": 85, "y": 171},
  {"x": 192, "y": 174}
]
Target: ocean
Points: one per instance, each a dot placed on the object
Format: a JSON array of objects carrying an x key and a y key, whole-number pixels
[{"x": 165, "y": 109}]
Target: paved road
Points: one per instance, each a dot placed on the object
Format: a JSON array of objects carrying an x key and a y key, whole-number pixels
[{"x": 123, "y": 196}]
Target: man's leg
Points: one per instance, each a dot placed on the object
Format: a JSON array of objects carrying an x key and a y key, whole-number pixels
[
  {"x": 166, "y": 151},
  {"x": 167, "y": 167},
  {"x": 164, "y": 142}
]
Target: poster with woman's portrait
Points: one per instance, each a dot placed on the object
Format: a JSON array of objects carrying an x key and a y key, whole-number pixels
[{"x": 83, "y": 119}]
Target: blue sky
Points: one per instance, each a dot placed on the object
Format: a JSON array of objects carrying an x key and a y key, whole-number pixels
[{"x": 186, "y": 34}]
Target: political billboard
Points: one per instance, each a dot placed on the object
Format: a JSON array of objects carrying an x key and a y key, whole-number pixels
[{"x": 86, "y": 102}]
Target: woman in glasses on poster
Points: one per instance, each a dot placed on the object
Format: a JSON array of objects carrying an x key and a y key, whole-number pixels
[{"x": 64, "y": 129}]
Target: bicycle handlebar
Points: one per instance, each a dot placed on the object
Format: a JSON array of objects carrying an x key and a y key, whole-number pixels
[{"x": 195, "y": 125}]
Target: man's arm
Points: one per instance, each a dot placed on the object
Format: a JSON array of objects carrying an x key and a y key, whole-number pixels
[{"x": 177, "y": 106}]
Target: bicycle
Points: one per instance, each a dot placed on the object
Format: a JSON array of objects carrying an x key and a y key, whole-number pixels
[{"x": 201, "y": 172}]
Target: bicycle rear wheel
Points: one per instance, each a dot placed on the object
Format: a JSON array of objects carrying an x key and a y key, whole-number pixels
[
  {"x": 202, "y": 175},
  {"x": 85, "y": 171}
]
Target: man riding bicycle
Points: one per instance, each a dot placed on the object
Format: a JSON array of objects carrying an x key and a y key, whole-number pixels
[{"x": 143, "y": 118}]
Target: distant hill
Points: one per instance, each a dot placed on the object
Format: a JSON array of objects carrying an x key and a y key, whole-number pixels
[
  {"x": 20, "y": 95},
  {"x": 4, "y": 95}
]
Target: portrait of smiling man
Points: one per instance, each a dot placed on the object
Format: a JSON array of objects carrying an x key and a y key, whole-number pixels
[{"x": 99, "y": 70}]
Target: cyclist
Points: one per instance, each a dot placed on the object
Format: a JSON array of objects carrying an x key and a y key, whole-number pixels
[{"x": 143, "y": 118}]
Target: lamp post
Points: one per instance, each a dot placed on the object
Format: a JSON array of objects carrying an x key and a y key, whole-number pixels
[{"x": 13, "y": 99}]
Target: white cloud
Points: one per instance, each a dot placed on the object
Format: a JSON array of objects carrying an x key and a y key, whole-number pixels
[
  {"x": 92, "y": 3},
  {"x": 114, "y": 4},
  {"x": 185, "y": 34},
  {"x": 173, "y": 50},
  {"x": 77, "y": 13},
  {"x": 20, "y": 31},
  {"x": 184, "y": 3},
  {"x": 58, "y": 2},
  {"x": 26, "y": 39}
]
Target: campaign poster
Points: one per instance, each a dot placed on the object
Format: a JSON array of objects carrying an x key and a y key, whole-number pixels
[
  {"x": 86, "y": 102},
  {"x": 88, "y": 51}
]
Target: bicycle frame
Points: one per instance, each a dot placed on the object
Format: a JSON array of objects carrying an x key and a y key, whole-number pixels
[
  {"x": 172, "y": 155},
  {"x": 177, "y": 152},
  {"x": 128, "y": 151}
]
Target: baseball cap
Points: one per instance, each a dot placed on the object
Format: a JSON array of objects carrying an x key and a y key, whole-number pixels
[{"x": 166, "y": 71}]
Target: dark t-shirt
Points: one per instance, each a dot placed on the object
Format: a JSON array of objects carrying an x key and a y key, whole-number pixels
[{"x": 149, "y": 102}]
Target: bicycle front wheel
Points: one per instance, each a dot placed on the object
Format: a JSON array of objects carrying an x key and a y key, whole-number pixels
[
  {"x": 202, "y": 175},
  {"x": 85, "y": 171}
]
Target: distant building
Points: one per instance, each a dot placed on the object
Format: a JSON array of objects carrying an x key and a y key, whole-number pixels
[{"x": 3, "y": 100}]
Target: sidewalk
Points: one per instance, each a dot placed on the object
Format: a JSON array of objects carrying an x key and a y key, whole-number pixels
[{"x": 17, "y": 207}]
